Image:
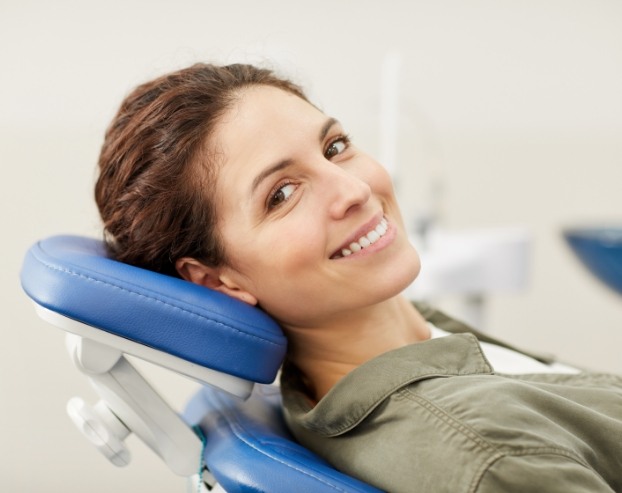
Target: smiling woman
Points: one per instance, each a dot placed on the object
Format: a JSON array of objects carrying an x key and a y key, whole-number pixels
[
  {"x": 230, "y": 178},
  {"x": 291, "y": 184}
]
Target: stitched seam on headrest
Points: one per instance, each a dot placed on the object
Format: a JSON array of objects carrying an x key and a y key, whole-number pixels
[{"x": 185, "y": 310}]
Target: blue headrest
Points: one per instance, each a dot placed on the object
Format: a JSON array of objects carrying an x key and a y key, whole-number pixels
[{"x": 72, "y": 276}]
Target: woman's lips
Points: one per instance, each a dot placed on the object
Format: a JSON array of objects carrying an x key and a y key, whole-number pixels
[{"x": 359, "y": 241}]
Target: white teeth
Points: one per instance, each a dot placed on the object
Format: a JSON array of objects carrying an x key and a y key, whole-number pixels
[
  {"x": 369, "y": 239},
  {"x": 364, "y": 242},
  {"x": 373, "y": 236},
  {"x": 355, "y": 247}
]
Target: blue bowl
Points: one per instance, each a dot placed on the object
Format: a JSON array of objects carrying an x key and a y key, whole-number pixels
[{"x": 600, "y": 250}]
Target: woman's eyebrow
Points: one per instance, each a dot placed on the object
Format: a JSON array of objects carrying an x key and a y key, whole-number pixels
[
  {"x": 268, "y": 171},
  {"x": 326, "y": 127},
  {"x": 288, "y": 162}
]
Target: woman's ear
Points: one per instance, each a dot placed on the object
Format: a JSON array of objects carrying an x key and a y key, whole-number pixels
[{"x": 197, "y": 272}]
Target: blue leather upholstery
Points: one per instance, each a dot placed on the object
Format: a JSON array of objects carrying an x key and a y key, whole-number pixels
[
  {"x": 72, "y": 276},
  {"x": 250, "y": 450}
]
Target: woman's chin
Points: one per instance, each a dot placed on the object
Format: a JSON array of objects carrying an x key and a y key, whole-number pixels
[{"x": 403, "y": 274}]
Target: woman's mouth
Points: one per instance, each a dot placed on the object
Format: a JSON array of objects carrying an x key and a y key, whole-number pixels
[{"x": 364, "y": 241}]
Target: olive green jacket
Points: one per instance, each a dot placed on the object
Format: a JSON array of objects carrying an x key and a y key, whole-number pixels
[{"x": 434, "y": 417}]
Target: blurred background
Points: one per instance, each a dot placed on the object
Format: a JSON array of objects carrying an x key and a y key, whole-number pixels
[{"x": 490, "y": 114}]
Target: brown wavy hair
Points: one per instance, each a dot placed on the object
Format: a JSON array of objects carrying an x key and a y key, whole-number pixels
[{"x": 157, "y": 172}]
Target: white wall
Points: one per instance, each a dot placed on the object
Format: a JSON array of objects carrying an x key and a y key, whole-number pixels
[{"x": 516, "y": 106}]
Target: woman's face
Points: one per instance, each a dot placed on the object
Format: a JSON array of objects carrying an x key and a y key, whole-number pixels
[{"x": 309, "y": 223}]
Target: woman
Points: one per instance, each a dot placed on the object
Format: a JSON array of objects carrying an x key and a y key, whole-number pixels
[{"x": 230, "y": 178}]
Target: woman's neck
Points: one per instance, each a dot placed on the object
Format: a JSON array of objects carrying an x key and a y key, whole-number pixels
[{"x": 326, "y": 354}]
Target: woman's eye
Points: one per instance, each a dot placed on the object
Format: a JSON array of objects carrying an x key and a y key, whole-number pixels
[
  {"x": 280, "y": 195},
  {"x": 337, "y": 146}
]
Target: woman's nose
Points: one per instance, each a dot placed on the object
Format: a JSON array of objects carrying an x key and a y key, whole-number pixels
[{"x": 347, "y": 192}]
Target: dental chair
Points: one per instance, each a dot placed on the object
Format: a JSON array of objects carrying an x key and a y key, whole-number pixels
[{"x": 231, "y": 437}]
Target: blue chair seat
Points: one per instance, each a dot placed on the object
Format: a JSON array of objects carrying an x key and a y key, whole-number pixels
[{"x": 249, "y": 448}]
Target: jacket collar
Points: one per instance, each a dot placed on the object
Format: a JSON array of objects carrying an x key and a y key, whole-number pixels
[{"x": 357, "y": 394}]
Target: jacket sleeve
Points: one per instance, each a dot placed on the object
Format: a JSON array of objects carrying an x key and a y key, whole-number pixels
[{"x": 540, "y": 473}]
